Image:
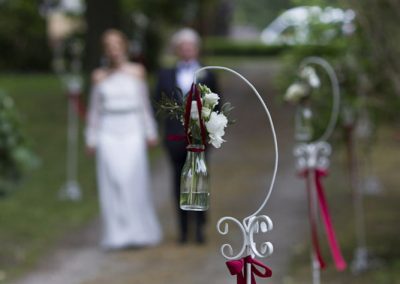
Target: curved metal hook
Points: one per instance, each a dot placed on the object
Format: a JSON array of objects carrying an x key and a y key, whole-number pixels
[
  {"x": 270, "y": 123},
  {"x": 335, "y": 93}
]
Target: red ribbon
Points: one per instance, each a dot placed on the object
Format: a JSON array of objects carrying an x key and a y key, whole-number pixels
[
  {"x": 194, "y": 93},
  {"x": 340, "y": 263},
  {"x": 175, "y": 137},
  {"x": 78, "y": 105},
  {"x": 236, "y": 268}
]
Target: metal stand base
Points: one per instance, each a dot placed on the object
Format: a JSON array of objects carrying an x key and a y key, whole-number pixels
[
  {"x": 70, "y": 191},
  {"x": 360, "y": 260},
  {"x": 363, "y": 261},
  {"x": 372, "y": 186}
]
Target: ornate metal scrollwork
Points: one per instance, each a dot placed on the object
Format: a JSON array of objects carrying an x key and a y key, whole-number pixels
[
  {"x": 313, "y": 155},
  {"x": 254, "y": 225}
]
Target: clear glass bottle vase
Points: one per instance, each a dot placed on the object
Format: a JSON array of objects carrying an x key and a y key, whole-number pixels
[
  {"x": 303, "y": 123},
  {"x": 195, "y": 190}
]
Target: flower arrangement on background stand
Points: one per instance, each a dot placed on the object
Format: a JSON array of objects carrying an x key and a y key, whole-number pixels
[
  {"x": 313, "y": 157},
  {"x": 70, "y": 75},
  {"x": 300, "y": 93}
]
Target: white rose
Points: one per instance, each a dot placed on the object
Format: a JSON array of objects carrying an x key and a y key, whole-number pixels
[
  {"x": 314, "y": 81},
  {"x": 194, "y": 112},
  {"x": 310, "y": 75},
  {"x": 296, "y": 92},
  {"x": 211, "y": 99},
  {"x": 216, "y": 128},
  {"x": 206, "y": 112}
]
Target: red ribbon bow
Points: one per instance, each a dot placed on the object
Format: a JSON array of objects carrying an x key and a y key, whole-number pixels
[
  {"x": 326, "y": 218},
  {"x": 194, "y": 93},
  {"x": 236, "y": 268},
  {"x": 78, "y": 105}
]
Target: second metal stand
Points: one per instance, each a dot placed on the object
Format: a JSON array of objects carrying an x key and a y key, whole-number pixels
[{"x": 71, "y": 189}]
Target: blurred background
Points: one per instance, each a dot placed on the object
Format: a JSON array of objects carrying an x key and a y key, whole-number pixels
[{"x": 44, "y": 43}]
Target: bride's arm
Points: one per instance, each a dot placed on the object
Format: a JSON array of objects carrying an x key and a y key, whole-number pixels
[
  {"x": 93, "y": 114},
  {"x": 150, "y": 125}
]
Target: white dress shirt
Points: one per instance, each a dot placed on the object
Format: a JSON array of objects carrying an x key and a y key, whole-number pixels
[{"x": 184, "y": 74}]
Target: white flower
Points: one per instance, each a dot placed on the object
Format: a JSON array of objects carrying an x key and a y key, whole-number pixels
[
  {"x": 310, "y": 75},
  {"x": 296, "y": 92},
  {"x": 205, "y": 112},
  {"x": 211, "y": 99},
  {"x": 194, "y": 112},
  {"x": 216, "y": 128},
  {"x": 216, "y": 140}
]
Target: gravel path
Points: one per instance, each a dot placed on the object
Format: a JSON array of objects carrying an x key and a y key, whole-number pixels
[{"x": 241, "y": 172}]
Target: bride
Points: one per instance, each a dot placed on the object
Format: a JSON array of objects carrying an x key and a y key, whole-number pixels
[{"x": 120, "y": 126}]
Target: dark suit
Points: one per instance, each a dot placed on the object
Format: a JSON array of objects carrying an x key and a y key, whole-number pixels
[{"x": 177, "y": 149}]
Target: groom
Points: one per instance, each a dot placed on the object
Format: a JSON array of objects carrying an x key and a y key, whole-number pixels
[{"x": 186, "y": 44}]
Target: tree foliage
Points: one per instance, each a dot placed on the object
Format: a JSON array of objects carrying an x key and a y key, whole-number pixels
[
  {"x": 23, "y": 44},
  {"x": 146, "y": 22},
  {"x": 366, "y": 62},
  {"x": 259, "y": 13},
  {"x": 379, "y": 21},
  {"x": 16, "y": 157}
]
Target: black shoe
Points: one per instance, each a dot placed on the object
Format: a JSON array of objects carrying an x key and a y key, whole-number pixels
[
  {"x": 183, "y": 240},
  {"x": 200, "y": 239}
]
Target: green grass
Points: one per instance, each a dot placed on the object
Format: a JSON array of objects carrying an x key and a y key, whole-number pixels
[
  {"x": 32, "y": 219},
  {"x": 382, "y": 214}
]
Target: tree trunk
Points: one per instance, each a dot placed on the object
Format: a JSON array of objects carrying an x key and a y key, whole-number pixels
[
  {"x": 100, "y": 15},
  {"x": 223, "y": 19}
]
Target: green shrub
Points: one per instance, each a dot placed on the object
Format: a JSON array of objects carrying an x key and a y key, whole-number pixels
[{"x": 228, "y": 47}]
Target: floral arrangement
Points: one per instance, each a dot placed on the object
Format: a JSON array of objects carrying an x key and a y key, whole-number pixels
[
  {"x": 302, "y": 88},
  {"x": 204, "y": 123},
  {"x": 299, "y": 93},
  {"x": 200, "y": 115},
  {"x": 16, "y": 158}
]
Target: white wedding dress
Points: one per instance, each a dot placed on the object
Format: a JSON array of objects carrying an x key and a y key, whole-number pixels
[{"x": 120, "y": 120}]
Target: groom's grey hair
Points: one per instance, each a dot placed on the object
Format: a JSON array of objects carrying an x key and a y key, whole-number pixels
[{"x": 185, "y": 34}]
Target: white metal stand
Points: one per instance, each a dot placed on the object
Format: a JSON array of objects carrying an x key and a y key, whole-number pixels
[
  {"x": 316, "y": 269},
  {"x": 72, "y": 82},
  {"x": 360, "y": 170},
  {"x": 363, "y": 132},
  {"x": 71, "y": 189},
  {"x": 310, "y": 157},
  {"x": 254, "y": 223},
  {"x": 313, "y": 155},
  {"x": 360, "y": 259}
]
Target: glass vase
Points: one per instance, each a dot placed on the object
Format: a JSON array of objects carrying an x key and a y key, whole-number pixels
[
  {"x": 195, "y": 190},
  {"x": 303, "y": 124}
]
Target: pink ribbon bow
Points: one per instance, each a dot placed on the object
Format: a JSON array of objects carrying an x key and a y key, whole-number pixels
[
  {"x": 236, "y": 268},
  {"x": 340, "y": 263}
]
